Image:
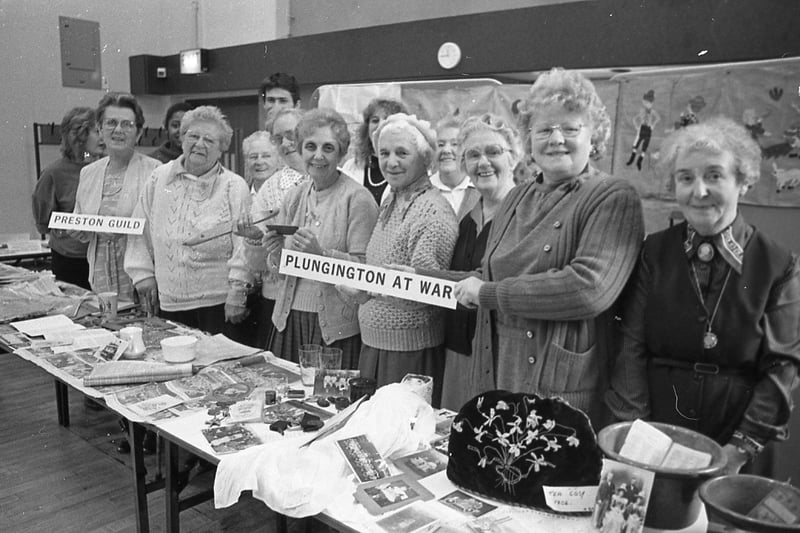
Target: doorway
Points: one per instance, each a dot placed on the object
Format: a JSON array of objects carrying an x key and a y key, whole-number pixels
[{"x": 242, "y": 114}]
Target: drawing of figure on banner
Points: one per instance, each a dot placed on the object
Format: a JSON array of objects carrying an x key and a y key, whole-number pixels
[{"x": 644, "y": 122}]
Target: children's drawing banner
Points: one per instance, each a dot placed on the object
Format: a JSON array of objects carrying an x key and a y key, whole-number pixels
[
  {"x": 379, "y": 280},
  {"x": 96, "y": 223}
]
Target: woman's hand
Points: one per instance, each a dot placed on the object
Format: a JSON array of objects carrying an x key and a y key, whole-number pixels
[
  {"x": 235, "y": 313},
  {"x": 736, "y": 459},
  {"x": 273, "y": 242},
  {"x": 467, "y": 292},
  {"x": 304, "y": 240},
  {"x": 245, "y": 228},
  {"x": 147, "y": 289},
  {"x": 352, "y": 295}
]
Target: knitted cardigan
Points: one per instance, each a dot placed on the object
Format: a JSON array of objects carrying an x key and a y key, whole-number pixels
[
  {"x": 553, "y": 266},
  {"x": 346, "y": 226},
  {"x": 177, "y": 207},
  {"x": 420, "y": 231}
]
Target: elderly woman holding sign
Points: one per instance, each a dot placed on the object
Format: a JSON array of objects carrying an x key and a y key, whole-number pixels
[
  {"x": 334, "y": 216},
  {"x": 557, "y": 257},
  {"x": 111, "y": 187},
  {"x": 710, "y": 323},
  {"x": 174, "y": 267},
  {"x": 416, "y": 228}
]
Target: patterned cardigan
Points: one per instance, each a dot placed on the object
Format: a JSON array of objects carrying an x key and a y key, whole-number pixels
[{"x": 177, "y": 206}]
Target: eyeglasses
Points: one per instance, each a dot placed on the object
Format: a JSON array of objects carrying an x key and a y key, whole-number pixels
[
  {"x": 277, "y": 138},
  {"x": 195, "y": 138},
  {"x": 111, "y": 124},
  {"x": 569, "y": 131},
  {"x": 493, "y": 151}
]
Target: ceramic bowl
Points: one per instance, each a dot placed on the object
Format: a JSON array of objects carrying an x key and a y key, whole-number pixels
[{"x": 179, "y": 349}]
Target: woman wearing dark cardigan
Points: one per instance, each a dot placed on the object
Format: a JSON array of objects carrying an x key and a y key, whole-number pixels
[
  {"x": 558, "y": 255},
  {"x": 489, "y": 149}
]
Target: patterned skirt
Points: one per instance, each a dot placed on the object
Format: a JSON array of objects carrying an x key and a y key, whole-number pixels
[
  {"x": 109, "y": 275},
  {"x": 302, "y": 327},
  {"x": 387, "y": 366}
]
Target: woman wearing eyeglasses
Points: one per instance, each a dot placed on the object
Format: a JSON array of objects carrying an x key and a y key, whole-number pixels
[
  {"x": 110, "y": 187},
  {"x": 557, "y": 257},
  {"x": 180, "y": 279},
  {"x": 244, "y": 279}
]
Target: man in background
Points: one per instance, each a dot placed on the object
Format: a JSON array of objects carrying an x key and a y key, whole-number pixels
[{"x": 279, "y": 91}]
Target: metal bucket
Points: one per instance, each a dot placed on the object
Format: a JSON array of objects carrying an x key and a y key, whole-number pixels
[
  {"x": 673, "y": 499},
  {"x": 729, "y": 499}
]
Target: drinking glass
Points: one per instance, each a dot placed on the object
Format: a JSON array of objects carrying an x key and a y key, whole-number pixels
[
  {"x": 309, "y": 363},
  {"x": 330, "y": 358}
]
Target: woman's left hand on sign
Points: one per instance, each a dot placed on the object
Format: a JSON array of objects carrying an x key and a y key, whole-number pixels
[
  {"x": 467, "y": 292},
  {"x": 304, "y": 240}
]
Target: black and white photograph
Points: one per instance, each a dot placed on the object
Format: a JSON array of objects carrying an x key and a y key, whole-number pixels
[
  {"x": 466, "y": 504},
  {"x": 409, "y": 520},
  {"x": 387, "y": 494},
  {"x": 622, "y": 498},
  {"x": 422, "y": 464}
]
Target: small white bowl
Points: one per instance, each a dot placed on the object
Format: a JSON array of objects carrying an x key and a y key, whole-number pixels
[{"x": 179, "y": 349}]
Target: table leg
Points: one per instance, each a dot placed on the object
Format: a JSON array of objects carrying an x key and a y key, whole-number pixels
[
  {"x": 171, "y": 490},
  {"x": 62, "y": 403},
  {"x": 136, "y": 436},
  {"x": 281, "y": 523}
]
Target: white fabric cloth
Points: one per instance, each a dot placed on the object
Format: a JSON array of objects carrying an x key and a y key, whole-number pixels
[{"x": 300, "y": 482}]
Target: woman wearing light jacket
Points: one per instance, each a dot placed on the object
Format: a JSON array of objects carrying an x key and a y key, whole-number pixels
[{"x": 111, "y": 187}]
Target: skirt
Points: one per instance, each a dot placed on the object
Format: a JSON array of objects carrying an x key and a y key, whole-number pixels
[
  {"x": 454, "y": 392},
  {"x": 209, "y": 319},
  {"x": 302, "y": 327},
  {"x": 388, "y": 366},
  {"x": 255, "y": 330}
]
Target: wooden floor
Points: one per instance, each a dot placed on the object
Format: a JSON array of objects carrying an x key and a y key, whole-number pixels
[{"x": 73, "y": 480}]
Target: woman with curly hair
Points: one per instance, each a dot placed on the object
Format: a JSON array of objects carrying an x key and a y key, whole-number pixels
[
  {"x": 364, "y": 167},
  {"x": 710, "y": 336},
  {"x": 558, "y": 255},
  {"x": 56, "y": 189}
]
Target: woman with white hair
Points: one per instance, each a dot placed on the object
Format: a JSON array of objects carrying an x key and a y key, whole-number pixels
[
  {"x": 416, "y": 227},
  {"x": 261, "y": 159},
  {"x": 710, "y": 324},
  {"x": 189, "y": 282}
]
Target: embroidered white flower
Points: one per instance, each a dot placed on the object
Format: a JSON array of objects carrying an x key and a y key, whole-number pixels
[{"x": 516, "y": 443}]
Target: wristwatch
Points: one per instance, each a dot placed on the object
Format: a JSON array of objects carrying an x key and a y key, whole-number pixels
[{"x": 746, "y": 445}]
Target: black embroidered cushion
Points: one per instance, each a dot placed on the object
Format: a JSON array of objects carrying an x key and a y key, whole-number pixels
[{"x": 508, "y": 445}]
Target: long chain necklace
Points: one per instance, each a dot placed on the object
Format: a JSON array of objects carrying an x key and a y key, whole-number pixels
[{"x": 710, "y": 339}]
